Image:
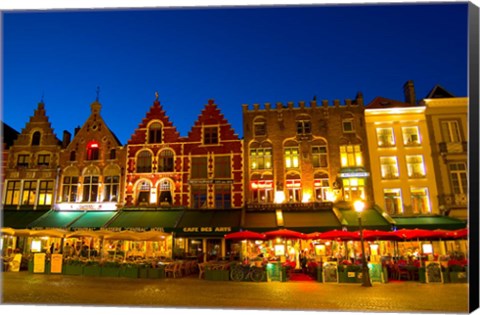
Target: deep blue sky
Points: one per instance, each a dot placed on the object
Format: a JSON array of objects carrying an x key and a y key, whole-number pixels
[{"x": 232, "y": 55}]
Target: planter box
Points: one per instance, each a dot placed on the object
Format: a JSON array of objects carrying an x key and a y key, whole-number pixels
[
  {"x": 217, "y": 275},
  {"x": 458, "y": 277},
  {"x": 143, "y": 272},
  {"x": 91, "y": 270},
  {"x": 319, "y": 274},
  {"x": 73, "y": 270},
  {"x": 129, "y": 272},
  {"x": 110, "y": 271},
  {"x": 156, "y": 273}
]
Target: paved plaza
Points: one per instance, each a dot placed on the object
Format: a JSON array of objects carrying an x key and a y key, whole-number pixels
[{"x": 24, "y": 288}]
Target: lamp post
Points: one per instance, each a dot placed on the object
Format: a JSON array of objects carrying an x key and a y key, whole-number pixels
[{"x": 359, "y": 205}]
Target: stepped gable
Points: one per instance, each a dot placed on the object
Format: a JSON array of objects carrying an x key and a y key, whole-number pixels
[
  {"x": 156, "y": 113},
  {"x": 382, "y": 102},
  {"x": 38, "y": 122},
  {"x": 439, "y": 92},
  {"x": 211, "y": 116}
]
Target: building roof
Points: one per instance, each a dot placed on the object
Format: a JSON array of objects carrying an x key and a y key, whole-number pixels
[
  {"x": 8, "y": 135},
  {"x": 439, "y": 92},
  {"x": 382, "y": 102}
]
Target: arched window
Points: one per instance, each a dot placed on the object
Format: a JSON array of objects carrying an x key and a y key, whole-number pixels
[
  {"x": 165, "y": 192},
  {"x": 144, "y": 162},
  {"x": 165, "y": 162},
  {"x": 36, "y": 138},
  {"x": 155, "y": 133},
  {"x": 93, "y": 150},
  {"x": 143, "y": 198},
  {"x": 90, "y": 185}
]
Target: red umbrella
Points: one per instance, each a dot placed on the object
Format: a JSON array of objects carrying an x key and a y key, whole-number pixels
[
  {"x": 340, "y": 234},
  {"x": 285, "y": 234},
  {"x": 380, "y": 235},
  {"x": 411, "y": 234},
  {"x": 457, "y": 234},
  {"x": 244, "y": 235},
  {"x": 313, "y": 236}
]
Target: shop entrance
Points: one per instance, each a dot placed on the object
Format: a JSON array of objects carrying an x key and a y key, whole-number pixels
[{"x": 214, "y": 249}]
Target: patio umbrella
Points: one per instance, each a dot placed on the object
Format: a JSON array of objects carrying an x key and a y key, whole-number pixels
[
  {"x": 153, "y": 236},
  {"x": 58, "y": 233},
  {"x": 85, "y": 233},
  {"x": 340, "y": 235},
  {"x": 245, "y": 235},
  {"x": 124, "y": 235},
  {"x": 285, "y": 233},
  {"x": 7, "y": 231},
  {"x": 22, "y": 232},
  {"x": 380, "y": 235},
  {"x": 458, "y": 234},
  {"x": 313, "y": 236}
]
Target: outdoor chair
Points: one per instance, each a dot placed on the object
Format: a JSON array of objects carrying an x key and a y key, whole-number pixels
[
  {"x": 201, "y": 270},
  {"x": 171, "y": 270},
  {"x": 402, "y": 273}
]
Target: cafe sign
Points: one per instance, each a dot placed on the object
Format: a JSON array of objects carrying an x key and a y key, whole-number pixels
[{"x": 207, "y": 229}]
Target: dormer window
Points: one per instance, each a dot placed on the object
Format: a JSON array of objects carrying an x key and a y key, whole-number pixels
[
  {"x": 210, "y": 135},
  {"x": 93, "y": 151},
  {"x": 155, "y": 133}
]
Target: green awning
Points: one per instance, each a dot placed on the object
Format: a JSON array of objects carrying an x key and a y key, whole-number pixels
[
  {"x": 429, "y": 223},
  {"x": 371, "y": 219},
  {"x": 56, "y": 219},
  {"x": 311, "y": 221},
  {"x": 145, "y": 220},
  {"x": 209, "y": 222},
  {"x": 93, "y": 220},
  {"x": 260, "y": 221},
  {"x": 20, "y": 219}
]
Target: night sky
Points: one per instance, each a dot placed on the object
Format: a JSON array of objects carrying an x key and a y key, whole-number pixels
[{"x": 235, "y": 56}]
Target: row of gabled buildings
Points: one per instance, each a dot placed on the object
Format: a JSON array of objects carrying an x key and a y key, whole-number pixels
[{"x": 298, "y": 166}]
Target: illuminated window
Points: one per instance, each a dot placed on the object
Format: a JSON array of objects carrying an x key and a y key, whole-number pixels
[
  {"x": 143, "y": 193},
  {"x": 111, "y": 186},
  {"x": 210, "y": 135},
  {"x": 411, "y": 136},
  {"x": 12, "y": 196},
  {"x": 144, "y": 162},
  {"x": 319, "y": 156},
  {"x": 351, "y": 155},
  {"x": 385, "y": 137},
  {"x": 45, "y": 192},
  {"x": 451, "y": 131},
  {"x": 165, "y": 162},
  {"x": 260, "y": 128},
  {"x": 36, "y": 138},
  {"x": 222, "y": 167},
  {"x": 347, "y": 125},
  {"x": 199, "y": 167},
  {"x": 43, "y": 159},
  {"x": 165, "y": 192},
  {"x": 70, "y": 188},
  {"x": 420, "y": 200},
  {"x": 93, "y": 151},
  {"x": 223, "y": 197},
  {"x": 294, "y": 187},
  {"x": 304, "y": 127},
  {"x": 415, "y": 166},
  {"x": 199, "y": 196},
  {"x": 262, "y": 190},
  {"x": 291, "y": 157},
  {"x": 155, "y": 133},
  {"x": 393, "y": 200},
  {"x": 353, "y": 188},
  {"x": 29, "y": 193},
  {"x": 458, "y": 177},
  {"x": 322, "y": 186},
  {"x": 389, "y": 167},
  {"x": 22, "y": 160},
  {"x": 90, "y": 188},
  {"x": 261, "y": 158}
]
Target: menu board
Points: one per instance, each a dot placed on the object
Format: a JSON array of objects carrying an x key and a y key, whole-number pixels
[
  {"x": 330, "y": 272},
  {"x": 376, "y": 274},
  {"x": 15, "y": 263},
  {"x": 56, "y": 263},
  {"x": 39, "y": 263},
  {"x": 433, "y": 272}
]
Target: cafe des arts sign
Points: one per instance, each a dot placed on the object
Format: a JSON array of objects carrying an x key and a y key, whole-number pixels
[{"x": 207, "y": 229}]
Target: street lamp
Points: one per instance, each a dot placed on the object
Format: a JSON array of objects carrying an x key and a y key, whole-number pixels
[{"x": 359, "y": 205}]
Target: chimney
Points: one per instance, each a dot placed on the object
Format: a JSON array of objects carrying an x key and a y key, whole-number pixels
[
  {"x": 66, "y": 138},
  {"x": 77, "y": 129},
  {"x": 409, "y": 91}
]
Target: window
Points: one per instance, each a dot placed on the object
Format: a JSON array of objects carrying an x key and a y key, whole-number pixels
[
  {"x": 155, "y": 133},
  {"x": 29, "y": 193},
  {"x": 259, "y": 128},
  {"x": 165, "y": 192},
  {"x": 36, "y": 138},
  {"x": 351, "y": 155},
  {"x": 222, "y": 167},
  {"x": 415, "y": 166},
  {"x": 45, "y": 192},
  {"x": 144, "y": 162},
  {"x": 12, "y": 196},
  {"x": 322, "y": 186},
  {"x": 113, "y": 154},
  {"x": 389, "y": 167},
  {"x": 385, "y": 137},
  {"x": 304, "y": 127},
  {"x": 411, "y": 136},
  {"x": 210, "y": 135},
  {"x": 111, "y": 188},
  {"x": 22, "y": 160},
  {"x": 319, "y": 156},
  {"x": 347, "y": 125},
  {"x": 294, "y": 188},
  {"x": 353, "y": 188},
  {"x": 450, "y": 131},
  {"x": 165, "y": 162},
  {"x": 223, "y": 197},
  {"x": 43, "y": 159},
  {"x": 199, "y": 196},
  {"x": 93, "y": 151},
  {"x": 262, "y": 190},
  {"x": 90, "y": 188},
  {"x": 261, "y": 158},
  {"x": 70, "y": 188},
  {"x": 199, "y": 167},
  {"x": 73, "y": 156},
  {"x": 143, "y": 193},
  {"x": 458, "y": 177},
  {"x": 393, "y": 200},
  {"x": 291, "y": 157},
  {"x": 420, "y": 200}
]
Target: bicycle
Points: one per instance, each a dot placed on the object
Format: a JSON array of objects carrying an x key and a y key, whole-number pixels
[{"x": 240, "y": 272}]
